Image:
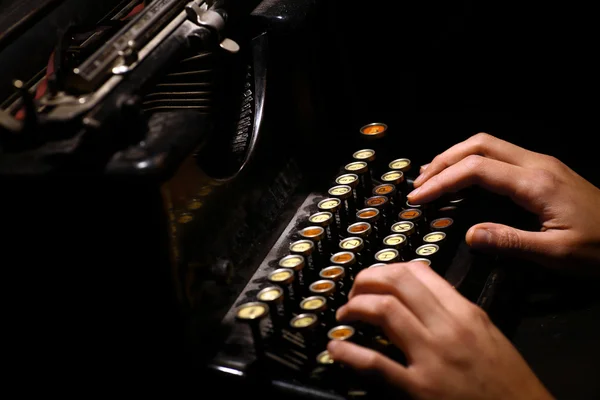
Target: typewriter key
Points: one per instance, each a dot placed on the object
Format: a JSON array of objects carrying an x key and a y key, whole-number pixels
[
  {"x": 374, "y": 131},
  {"x": 356, "y": 245},
  {"x": 337, "y": 273},
  {"x": 395, "y": 241},
  {"x": 273, "y": 297},
  {"x": 413, "y": 215},
  {"x": 314, "y": 304},
  {"x": 405, "y": 227},
  {"x": 284, "y": 278},
  {"x": 448, "y": 211},
  {"x": 333, "y": 206},
  {"x": 366, "y": 155},
  {"x": 327, "y": 288},
  {"x": 352, "y": 181},
  {"x": 326, "y": 220},
  {"x": 431, "y": 252},
  {"x": 346, "y": 259},
  {"x": 346, "y": 195},
  {"x": 316, "y": 234},
  {"x": 296, "y": 263},
  {"x": 307, "y": 324},
  {"x": 324, "y": 358},
  {"x": 341, "y": 332},
  {"x": 400, "y": 164},
  {"x": 253, "y": 313},
  {"x": 397, "y": 179},
  {"x": 441, "y": 224},
  {"x": 387, "y": 256},
  {"x": 373, "y": 217},
  {"x": 420, "y": 259},
  {"x": 434, "y": 237},
  {"x": 305, "y": 249},
  {"x": 382, "y": 204},
  {"x": 361, "y": 168},
  {"x": 377, "y": 265}
]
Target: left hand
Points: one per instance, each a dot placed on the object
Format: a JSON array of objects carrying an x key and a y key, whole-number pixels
[{"x": 452, "y": 348}]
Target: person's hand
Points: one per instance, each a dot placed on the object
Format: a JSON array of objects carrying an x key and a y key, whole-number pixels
[
  {"x": 568, "y": 206},
  {"x": 453, "y": 351}
]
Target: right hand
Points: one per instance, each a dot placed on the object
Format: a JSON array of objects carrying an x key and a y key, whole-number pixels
[{"x": 567, "y": 205}]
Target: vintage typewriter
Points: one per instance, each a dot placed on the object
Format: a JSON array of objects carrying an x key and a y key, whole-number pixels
[
  {"x": 209, "y": 193},
  {"x": 356, "y": 217}
]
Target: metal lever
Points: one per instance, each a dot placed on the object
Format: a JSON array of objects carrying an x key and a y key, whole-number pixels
[{"x": 214, "y": 21}]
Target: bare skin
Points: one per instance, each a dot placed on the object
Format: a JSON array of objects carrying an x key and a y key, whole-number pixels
[
  {"x": 567, "y": 205},
  {"x": 453, "y": 350}
]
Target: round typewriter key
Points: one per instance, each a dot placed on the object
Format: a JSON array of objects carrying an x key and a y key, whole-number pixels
[
  {"x": 329, "y": 205},
  {"x": 361, "y": 168},
  {"x": 366, "y": 155},
  {"x": 252, "y": 313},
  {"x": 334, "y": 206},
  {"x": 387, "y": 256},
  {"x": 314, "y": 304},
  {"x": 434, "y": 237},
  {"x": 361, "y": 229},
  {"x": 283, "y": 277},
  {"x": 386, "y": 189},
  {"x": 378, "y": 202},
  {"x": 316, "y": 234},
  {"x": 302, "y": 321},
  {"x": 352, "y": 181},
  {"x": 353, "y": 244},
  {"x": 273, "y": 296},
  {"x": 420, "y": 259},
  {"x": 346, "y": 195},
  {"x": 341, "y": 332},
  {"x": 405, "y": 227},
  {"x": 334, "y": 273},
  {"x": 324, "y": 358},
  {"x": 377, "y": 265},
  {"x": 429, "y": 251},
  {"x": 441, "y": 224},
  {"x": 374, "y": 131},
  {"x": 323, "y": 287},
  {"x": 296, "y": 263},
  {"x": 413, "y": 215},
  {"x": 347, "y": 179},
  {"x": 326, "y": 220},
  {"x": 395, "y": 241},
  {"x": 344, "y": 258},
  {"x": 448, "y": 211},
  {"x": 300, "y": 248},
  {"x": 357, "y": 167},
  {"x": 400, "y": 164},
  {"x": 393, "y": 177},
  {"x": 372, "y": 216}
]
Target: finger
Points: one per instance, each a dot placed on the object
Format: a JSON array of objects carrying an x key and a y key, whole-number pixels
[
  {"x": 400, "y": 325},
  {"x": 423, "y": 168},
  {"x": 399, "y": 280},
  {"x": 520, "y": 184},
  {"x": 481, "y": 144},
  {"x": 535, "y": 246},
  {"x": 367, "y": 360}
]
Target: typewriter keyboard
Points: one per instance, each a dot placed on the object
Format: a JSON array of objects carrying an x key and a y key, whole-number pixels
[{"x": 281, "y": 323}]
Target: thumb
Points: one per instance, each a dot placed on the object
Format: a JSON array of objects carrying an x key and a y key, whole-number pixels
[{"x": 509, "y": 240}]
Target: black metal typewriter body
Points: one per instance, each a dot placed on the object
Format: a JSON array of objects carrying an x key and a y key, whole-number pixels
[{"x": 160, "y": 164}]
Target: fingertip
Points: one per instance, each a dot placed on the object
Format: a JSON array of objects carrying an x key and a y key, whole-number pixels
[{"x": 479, "y": 237}]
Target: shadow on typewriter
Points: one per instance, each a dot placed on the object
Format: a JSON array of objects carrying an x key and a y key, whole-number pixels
[{"x": 358, "y": 217}]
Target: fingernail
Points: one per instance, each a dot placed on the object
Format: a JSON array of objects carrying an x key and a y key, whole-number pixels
[
  {"x": 482, "y": 236},
  {"x": 418, "y": 180},
  {"x": 340, "y": 313},
  {"x": 424, "y": 167},
  {"x": 414, "y": 192}
]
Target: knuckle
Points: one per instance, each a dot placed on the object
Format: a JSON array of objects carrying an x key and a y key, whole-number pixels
[
  {"x": 473, "y": 162},
  {"x": 400, "y": 271},
  {"x": 385, "y": 303},
  {"x": 371, "y": 361},
  {"x": 480, "y": 141},
  {"x": 544, "y": 182}
]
